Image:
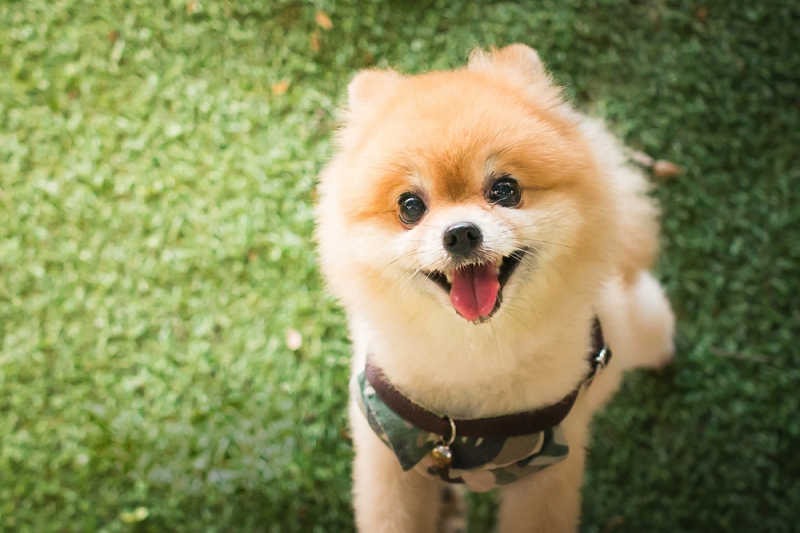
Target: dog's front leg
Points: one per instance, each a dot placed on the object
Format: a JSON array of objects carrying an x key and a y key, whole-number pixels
[
  {"x": 545, "y": 502},
  {"x": 386, "y": 499}
]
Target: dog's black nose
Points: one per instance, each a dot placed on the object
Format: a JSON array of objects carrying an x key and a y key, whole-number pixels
[{"x": 462, "y": 238}]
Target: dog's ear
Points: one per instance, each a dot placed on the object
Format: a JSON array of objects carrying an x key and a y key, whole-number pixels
[
  {"x": 518, "y": 64},
  {"x": 515, "y": 59},
  {"x": 369, "y": 85}
]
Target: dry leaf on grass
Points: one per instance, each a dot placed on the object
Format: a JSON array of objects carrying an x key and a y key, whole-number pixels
[
  {"x": 314, "y": 42},
  {"x": 665, "y": 169},
  {"x": 661, "y": 168},
  {"x": 757, "y": 357},
  {"x": 323, "y": 20},
  {"x": 281, "y": 87}
]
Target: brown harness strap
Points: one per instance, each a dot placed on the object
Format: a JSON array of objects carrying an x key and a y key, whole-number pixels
[
  {"x": 504, "y": 426},
  {"x": 513, "y": 425}
]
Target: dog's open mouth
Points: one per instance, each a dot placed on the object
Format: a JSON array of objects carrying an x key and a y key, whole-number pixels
[{"x": 476, "y": 291}]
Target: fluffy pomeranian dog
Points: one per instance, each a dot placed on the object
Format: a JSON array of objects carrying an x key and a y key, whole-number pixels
[{"x": 475, "y": 227}]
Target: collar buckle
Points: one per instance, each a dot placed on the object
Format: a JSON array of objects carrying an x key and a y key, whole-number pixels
[
  {"x": 599, "y": 361},
  {"x": 452, "y": 431},
  {"x": 602, "y": 358}
]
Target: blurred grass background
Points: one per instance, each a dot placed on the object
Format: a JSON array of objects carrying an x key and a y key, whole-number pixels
[{"x": 157, "y": 165}]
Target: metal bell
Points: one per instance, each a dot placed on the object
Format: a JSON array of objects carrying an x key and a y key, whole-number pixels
[{"x": 442, "y": 456}]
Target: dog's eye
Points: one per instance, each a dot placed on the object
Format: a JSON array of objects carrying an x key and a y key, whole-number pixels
[
  {"x": 505, "y": 192},
  {"x": 411, "y": 208}
]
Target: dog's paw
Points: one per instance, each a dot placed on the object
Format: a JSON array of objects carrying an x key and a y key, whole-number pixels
[{"x": 652, "y": 323}]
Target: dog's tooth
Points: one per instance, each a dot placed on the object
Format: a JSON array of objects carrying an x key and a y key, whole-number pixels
[
  {"x": 449, "y": 276},
  {"x": 498, "y": 262}
]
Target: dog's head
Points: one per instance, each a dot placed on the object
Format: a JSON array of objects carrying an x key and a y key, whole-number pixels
[{"x": 471, "y": 193}]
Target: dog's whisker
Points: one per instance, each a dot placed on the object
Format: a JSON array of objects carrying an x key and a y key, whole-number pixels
[
  {"x": 406, "y": 284},
  {"x": 496, "y": 343},
  {"x": 524, "y": 325}
]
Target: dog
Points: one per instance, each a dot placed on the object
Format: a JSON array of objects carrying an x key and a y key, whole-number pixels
[{"x": 492, "y": 248}]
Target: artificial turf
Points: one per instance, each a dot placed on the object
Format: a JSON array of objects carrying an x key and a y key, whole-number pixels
[{"x": 157, "y": 166}]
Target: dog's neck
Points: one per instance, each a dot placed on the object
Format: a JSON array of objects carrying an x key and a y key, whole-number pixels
[{"x": 473, "y": 371}]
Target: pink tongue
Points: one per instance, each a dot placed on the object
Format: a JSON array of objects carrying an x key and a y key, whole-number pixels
[{"x": 474, "y": 290}]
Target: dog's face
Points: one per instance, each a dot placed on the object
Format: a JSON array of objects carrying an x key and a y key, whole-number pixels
[{"x": 461, "y": 193}]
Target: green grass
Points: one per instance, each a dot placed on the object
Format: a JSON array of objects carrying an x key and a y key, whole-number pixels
[{"x": 155, "y": 244}]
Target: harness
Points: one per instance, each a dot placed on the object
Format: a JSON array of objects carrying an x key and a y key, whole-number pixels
[{"x": 483, "y": 453}]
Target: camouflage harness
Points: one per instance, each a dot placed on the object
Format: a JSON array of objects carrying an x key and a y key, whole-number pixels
[{"x": 482, "y": 453}]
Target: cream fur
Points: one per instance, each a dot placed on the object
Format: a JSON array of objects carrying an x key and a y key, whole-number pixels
[{"x": 596, "y": 235}]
